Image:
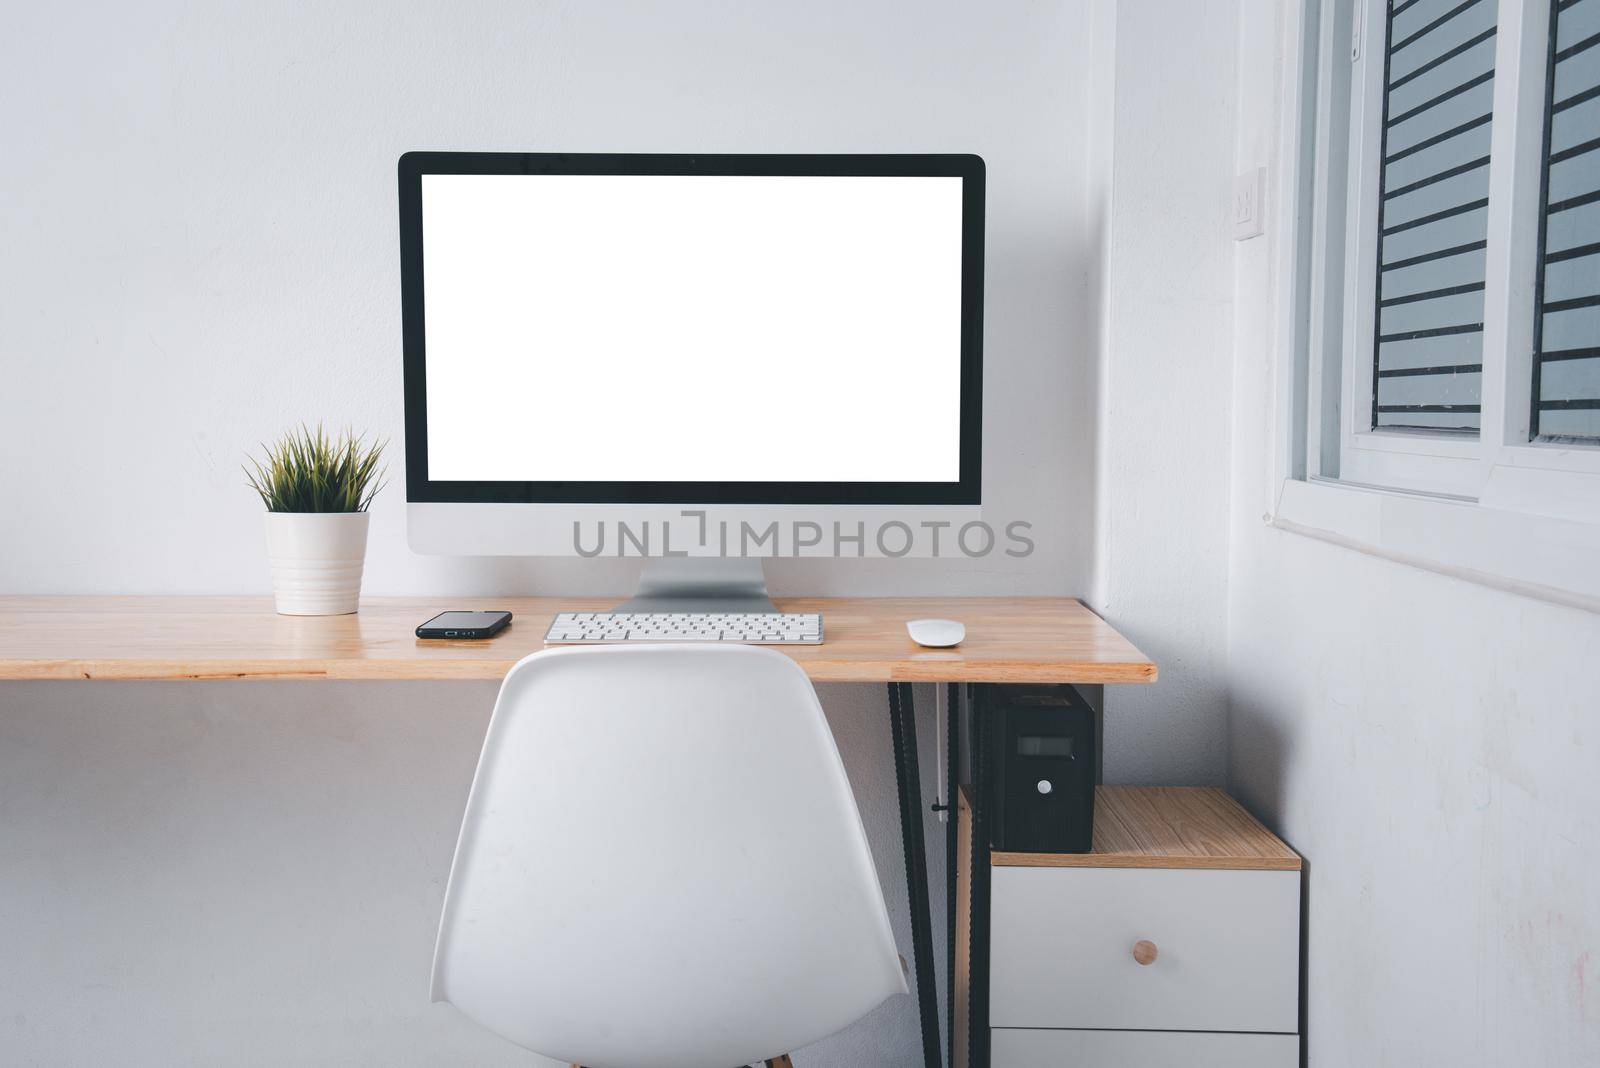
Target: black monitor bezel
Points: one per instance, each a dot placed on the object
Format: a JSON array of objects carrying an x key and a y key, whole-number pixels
[{"x": 420, "y": 488}]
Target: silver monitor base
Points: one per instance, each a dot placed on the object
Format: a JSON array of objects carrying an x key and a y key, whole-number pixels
[{"x": 701, "y": 584}]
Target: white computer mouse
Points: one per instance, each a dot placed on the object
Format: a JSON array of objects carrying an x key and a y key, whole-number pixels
[{"x": 936, "y": 633}]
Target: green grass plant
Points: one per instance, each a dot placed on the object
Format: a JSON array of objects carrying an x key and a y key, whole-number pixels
[{"x": 312, "y": 471}]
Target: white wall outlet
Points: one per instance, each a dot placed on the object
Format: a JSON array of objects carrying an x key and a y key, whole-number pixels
[{"x": 1249, "y": 204}]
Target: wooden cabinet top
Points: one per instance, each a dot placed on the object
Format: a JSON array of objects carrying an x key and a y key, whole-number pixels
[{"x": 1168, "y": 827}]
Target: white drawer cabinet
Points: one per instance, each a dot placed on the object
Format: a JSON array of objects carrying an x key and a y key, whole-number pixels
[
  {"x": 1176, "y": 941},
  {"x": 1030, "y": 1048},
  {"x": 1061, "y": 944}
]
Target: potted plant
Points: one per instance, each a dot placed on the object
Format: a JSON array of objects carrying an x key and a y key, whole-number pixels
[{"x": 317, "y": 489}]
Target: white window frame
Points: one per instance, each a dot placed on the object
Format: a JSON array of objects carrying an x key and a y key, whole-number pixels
[
  {"x": 1410, "y": 459},
  {"x": 1498, "y": 509}
]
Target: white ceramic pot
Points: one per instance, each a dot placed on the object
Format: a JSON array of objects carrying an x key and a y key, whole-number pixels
[{"x": 316, "y": 561}]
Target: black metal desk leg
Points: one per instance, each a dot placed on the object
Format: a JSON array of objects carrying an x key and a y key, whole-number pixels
[
  {"x": 952, "y": 779},
  {"x": 978, "y": 918},
  {"x": 903, "y": 722}
]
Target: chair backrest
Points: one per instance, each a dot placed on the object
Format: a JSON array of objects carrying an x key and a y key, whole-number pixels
[{"x": 662, "y": 864}]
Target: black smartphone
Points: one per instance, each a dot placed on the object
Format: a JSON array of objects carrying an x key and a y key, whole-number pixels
[{"x": 465, "y": 625}]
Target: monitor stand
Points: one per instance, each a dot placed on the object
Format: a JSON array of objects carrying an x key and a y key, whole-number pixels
[{"x": 701, "y": 584}]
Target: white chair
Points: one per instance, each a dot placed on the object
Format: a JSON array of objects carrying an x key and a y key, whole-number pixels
[{"x": 662, "y": 865}]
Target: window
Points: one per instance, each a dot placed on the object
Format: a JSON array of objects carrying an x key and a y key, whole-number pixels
[
  {"x": 1433, "y": 216},
  {"x": 1451, "y": 256},
  {"x": 1566, "y": 331}
]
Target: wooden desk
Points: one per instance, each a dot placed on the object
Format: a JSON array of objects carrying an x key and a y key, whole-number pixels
[{"x": 1009, "y": 639}]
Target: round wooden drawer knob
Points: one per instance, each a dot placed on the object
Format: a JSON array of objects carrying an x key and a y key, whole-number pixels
[{"x": 1144, "y": 951}]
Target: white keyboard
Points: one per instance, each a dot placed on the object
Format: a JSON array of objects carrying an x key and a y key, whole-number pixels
[{"x": 756, "y": 628}]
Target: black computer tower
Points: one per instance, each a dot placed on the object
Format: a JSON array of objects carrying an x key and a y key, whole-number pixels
[{"x": 1042, "y": 752}]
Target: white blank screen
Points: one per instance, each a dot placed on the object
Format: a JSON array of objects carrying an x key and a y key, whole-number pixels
[{"x": 689, "y": 328}]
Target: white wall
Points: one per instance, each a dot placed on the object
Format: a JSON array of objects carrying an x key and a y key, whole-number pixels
[
  {"x": 1430, "y": 745},
  {"x": 198, "y": 248},
  {"x": 1163, "y": 379}
]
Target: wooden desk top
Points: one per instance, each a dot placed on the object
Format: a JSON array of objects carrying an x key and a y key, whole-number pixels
[
  {"x": 1168, "y": 827},
  {"x": 1009, "y": 639}
]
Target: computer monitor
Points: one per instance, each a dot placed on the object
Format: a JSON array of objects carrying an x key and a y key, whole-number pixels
[{"x": 592, "y": 335}]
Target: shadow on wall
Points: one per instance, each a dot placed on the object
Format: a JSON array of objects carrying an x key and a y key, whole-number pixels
[
  {"x": 1260, "y": 747},
  {"x": 1259, "y": 756}
]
